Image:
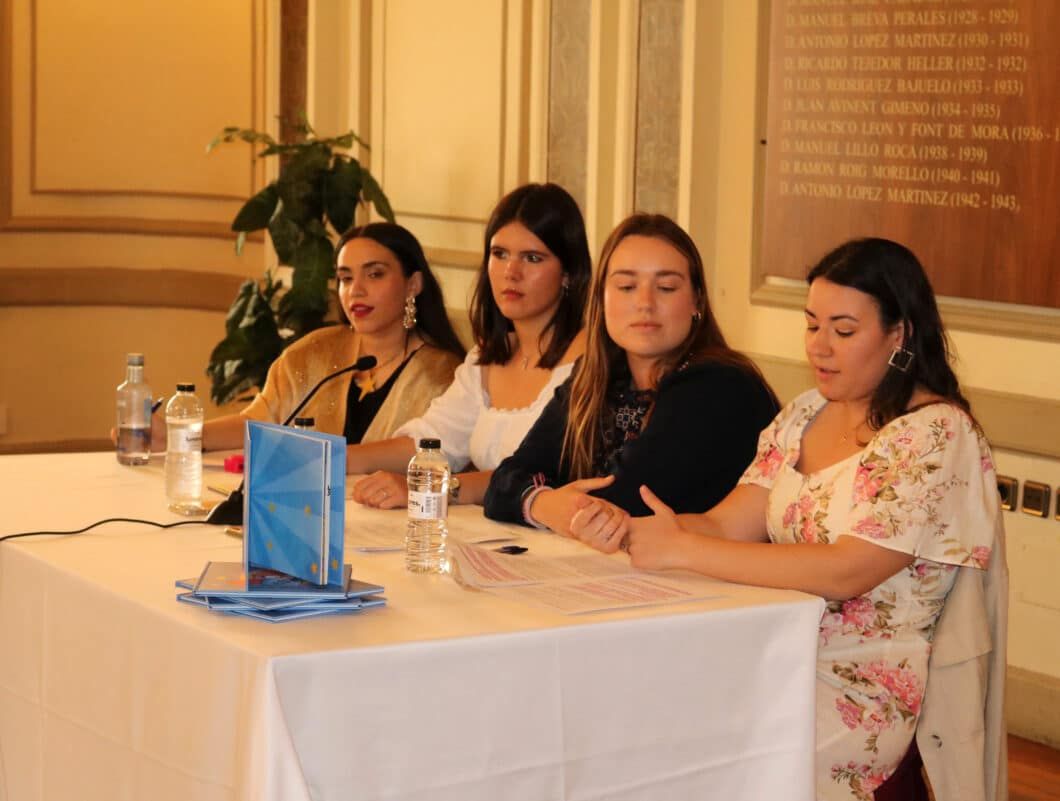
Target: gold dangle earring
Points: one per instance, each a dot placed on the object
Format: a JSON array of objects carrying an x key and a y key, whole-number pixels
[{"x": 409, "y": 320}]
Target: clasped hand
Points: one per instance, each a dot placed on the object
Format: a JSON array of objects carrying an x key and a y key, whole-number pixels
[{"x": 572, "y": 512}]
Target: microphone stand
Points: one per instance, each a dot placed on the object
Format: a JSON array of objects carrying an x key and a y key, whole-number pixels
[{"x": 229, "y": 512}]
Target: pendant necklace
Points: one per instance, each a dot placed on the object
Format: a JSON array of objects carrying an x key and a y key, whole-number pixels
[{"x": 366, "y": 381}]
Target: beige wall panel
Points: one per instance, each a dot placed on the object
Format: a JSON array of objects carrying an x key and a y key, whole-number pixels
[
  {"x": 443, "y": 72},
  {"x": 112, "y": 106},
  {"x": 439, "y": 232},
  {"x": 568, "y": 108},
  {"x": 83, "y": 350},
  {"x": 659, "y": 62},
  {"x": 118, "y": 110}
]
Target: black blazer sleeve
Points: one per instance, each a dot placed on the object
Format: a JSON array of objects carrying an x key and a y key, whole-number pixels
[
  {"x": 700, "y": 438},
  {"x": 539, "y": 452}
]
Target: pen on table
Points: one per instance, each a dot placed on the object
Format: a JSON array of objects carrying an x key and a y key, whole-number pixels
[
  {"x": 157, "y": 404},
  {"x": 514, "y": 550}
]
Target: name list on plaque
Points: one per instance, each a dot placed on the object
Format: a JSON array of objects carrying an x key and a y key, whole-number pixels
[{"x": 935, "y": 123}]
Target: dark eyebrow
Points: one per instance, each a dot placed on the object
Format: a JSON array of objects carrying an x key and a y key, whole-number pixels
[
  {"x": 372, "y": 263},
  {"x": 835, "y": 317},
  {"x": 660, "y": 274}
]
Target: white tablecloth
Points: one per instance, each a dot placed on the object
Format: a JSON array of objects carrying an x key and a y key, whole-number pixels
[{"x": 109, "y": 689}]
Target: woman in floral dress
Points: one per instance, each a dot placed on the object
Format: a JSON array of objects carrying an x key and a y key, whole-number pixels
[{"x": 871, "y": 490}]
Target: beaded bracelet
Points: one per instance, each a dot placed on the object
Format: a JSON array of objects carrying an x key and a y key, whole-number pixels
[{"x": 529, "y": 494}]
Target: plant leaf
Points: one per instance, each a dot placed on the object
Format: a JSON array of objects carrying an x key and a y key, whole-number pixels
[
  {"x": 286, "y": 237},
  {"x": 373, "y": 193},
  {"x": 252, "y": 342},
  {"x": 301, "y": 180},
  {"x": 257, "y": 211},
  {"x": 303, "y": 308},
  {"x": 346, "y": 141},
  {"x": 342, "y": 193},
  {"x": 232, "y": 132}
]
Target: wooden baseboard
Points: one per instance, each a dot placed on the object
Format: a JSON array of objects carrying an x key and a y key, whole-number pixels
[{"x": 1032, "y": 706}]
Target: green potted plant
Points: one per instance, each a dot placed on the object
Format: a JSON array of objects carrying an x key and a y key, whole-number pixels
[{"x": 316, "y": 194}]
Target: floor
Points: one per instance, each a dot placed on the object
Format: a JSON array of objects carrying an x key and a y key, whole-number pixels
[{"x": 1033, "y": 770}]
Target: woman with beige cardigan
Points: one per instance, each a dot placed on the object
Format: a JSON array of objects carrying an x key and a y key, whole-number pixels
[{"x": 396, "y": 313}]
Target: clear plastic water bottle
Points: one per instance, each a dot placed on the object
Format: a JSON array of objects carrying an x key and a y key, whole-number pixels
[
  {"x": 134, "y": 413},
  {"x": 428, "y": 480},
  {"x": 184, "y": 417}
]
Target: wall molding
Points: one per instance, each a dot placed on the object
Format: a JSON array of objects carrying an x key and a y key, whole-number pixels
[
  {"x": 124, "y": 225},
  {"x": 464, "y": 259},
  {"x": 1012, "y": 422},
  {"x": 117, "y": 286},
  {"x": 980, "y": 316},
  {"x": 1032, "y": 706}
]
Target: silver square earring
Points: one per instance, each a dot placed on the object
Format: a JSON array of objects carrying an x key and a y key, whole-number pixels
[{"x": 901, "y": 359}]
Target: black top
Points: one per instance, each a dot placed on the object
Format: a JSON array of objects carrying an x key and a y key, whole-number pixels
[
  {"x": 361, "y": 412},
  {"x": 700, "y": 437}
]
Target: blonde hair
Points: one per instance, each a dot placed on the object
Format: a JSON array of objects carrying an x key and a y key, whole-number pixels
[{"x": 583, "y": 436}]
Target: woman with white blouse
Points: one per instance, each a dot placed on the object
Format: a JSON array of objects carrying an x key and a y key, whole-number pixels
[{"x": 526, "y": 318}]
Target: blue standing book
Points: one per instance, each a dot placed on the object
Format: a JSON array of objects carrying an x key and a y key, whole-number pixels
[{"x": 294, "y": 508}]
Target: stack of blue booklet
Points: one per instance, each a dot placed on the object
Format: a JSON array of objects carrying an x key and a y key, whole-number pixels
[
  {"x": 293, "y": 528},
  {"x": 273, "y": 596}
]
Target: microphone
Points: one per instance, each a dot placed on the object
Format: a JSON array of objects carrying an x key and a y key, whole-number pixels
[{"x": 229, "y": 512}]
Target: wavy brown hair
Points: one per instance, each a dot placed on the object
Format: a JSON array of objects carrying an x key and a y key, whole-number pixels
[{"x": 583, "y": 436}]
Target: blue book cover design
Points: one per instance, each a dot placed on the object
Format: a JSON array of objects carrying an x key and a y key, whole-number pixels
[{"x": 294, "y": 509}]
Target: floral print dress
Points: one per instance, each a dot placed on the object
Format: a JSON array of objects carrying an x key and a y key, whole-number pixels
[{"x": 925, "y": 485}]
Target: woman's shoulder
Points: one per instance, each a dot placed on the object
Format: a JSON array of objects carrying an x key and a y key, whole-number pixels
[
  {"x": 725, "y": 380},
  {"x": 936, "y": 423},
  {"x": 435, "y": 359},
  {"x": 575, "y": 350},
  {"x": 322, "y": 344},
  {"x": 327, "y": 335}
]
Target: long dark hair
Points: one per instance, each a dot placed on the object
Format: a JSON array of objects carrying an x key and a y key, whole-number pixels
[
  {"x": 583, "y": 436},
  {"x": 552, "y": 215},
  {"x": 893, "y": 276},
  {"x": 432, "y": 322}
]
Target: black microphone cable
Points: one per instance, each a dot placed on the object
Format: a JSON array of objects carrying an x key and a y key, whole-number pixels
[
  {"x": 100, "y": 523},
  {"x": 229, "y": 512}
]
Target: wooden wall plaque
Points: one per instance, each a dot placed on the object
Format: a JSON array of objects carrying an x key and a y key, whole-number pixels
[{"x": 935, "y": 123}]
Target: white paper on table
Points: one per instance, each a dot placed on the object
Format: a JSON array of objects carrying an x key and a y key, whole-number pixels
[
  {"x": 574, "y": 584},
  {"x": 484, "y": 568},
  {"x": 612, "y": 592}
]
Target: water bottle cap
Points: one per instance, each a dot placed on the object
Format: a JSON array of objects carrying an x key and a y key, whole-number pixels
[
  {"x": 304, "y": 422},
  {"x": 185, "y": 387},
  {"x": 431, "y": 443},
  {"x": 134, "y": 359}
]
